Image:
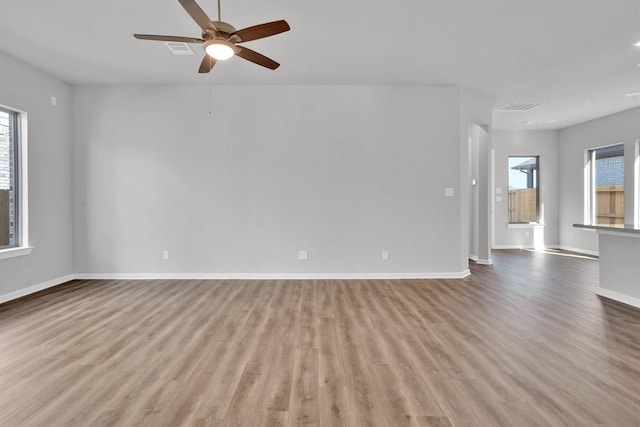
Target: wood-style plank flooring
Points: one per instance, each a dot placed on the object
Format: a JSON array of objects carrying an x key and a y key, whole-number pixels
[{"x": 524, "y": 342}]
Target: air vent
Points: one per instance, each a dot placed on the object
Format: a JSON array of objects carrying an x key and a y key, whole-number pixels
[
  {"x": 178, "y": 48},
  {"x": 518, "y": 106}
]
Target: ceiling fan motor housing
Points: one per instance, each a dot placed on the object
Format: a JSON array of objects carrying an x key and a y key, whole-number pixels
[{"x": 224, "y": 29}]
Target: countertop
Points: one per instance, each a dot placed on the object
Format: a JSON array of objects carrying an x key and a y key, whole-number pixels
[{"x": 621, "y": 228}]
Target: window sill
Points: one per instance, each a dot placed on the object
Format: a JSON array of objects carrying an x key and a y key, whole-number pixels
[
  {"x": 524, "y": 225},
  {"x": 15, "y": 252}
]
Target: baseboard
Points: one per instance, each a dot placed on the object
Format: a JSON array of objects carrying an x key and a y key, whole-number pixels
[
  {"x": 579, "y": 250},
  {"x": 511, "y": 247},
  {"x": 560, "y": 247},
  {"x": 270, "y": 276},
  {"x": 616, "y": 296},
  {"x": 477, "y": 260},
  {"x": 227, "y": 276},
  {"x": 35, "y": 288}
]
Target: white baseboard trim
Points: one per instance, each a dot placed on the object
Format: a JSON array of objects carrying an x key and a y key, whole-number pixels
[
  {"x": 560, "y": 247},
  {"x": 617, "y": 296},
  {"x": 269, "y": 276},
  {"x": 477, "y": 260},
  {"x": 35, "y": 288},
  {"x": 227, "y": 276},
  {"x": 579, "y": 250},
  {"x": 510, "y": 247}
]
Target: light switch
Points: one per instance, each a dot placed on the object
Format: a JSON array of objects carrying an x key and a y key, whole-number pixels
[
  {"x": 449, "y": 192},
  {"x": 302, "y": 255}
]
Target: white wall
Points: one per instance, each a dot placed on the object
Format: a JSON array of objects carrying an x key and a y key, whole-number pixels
[
  {"x": 479, "y": 224},
  {"x": 524, "y": 143},
  {"x": 49, "y": 155},
  {"x": 574, "y": 140},
  {"x": 473, "y": 112},
  {"x": 343, "y": 172}
]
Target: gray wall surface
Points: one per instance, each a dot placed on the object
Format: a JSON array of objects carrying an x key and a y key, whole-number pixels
[
  {"x": 342, "y": 172},
  {"x": 49, "y": 156},
  {"x": 527, "y": 143},
  {"x": 479, "y": 201},
  {"x": 574, "y": 141}
]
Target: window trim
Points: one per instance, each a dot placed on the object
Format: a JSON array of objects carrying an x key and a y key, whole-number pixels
[
  {"x": 15, "y": 252},
  {"x": 23, "y": 247}
]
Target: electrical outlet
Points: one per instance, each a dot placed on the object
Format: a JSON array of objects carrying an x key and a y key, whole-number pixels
[
  {"x": 385, "y": 255},
  {"x": 303, "y": 255},
  {"x": 526, "y": 234},
  {"x": 165, "y": 255}
]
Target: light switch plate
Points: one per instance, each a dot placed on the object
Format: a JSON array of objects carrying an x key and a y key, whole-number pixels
[{"x": 449, "y": 192}]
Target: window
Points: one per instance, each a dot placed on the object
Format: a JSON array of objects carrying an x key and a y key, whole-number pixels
[
  {"x": 10, "y": 161},
  {"x": 605, "y": 182},
  {"x": 524, "y": 200},
  {"x": 636, "y": 185}
]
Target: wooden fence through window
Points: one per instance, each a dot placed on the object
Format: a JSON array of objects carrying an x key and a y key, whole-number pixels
[
  {"x": 610, "y": 204},
  {"x": 523, "y": 205}
]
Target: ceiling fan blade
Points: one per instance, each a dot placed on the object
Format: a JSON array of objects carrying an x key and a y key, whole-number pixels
[
  {"x": 198, "y": 15},
  {"x": 256, "y": 58},
  {"x": 262, "y": 30},
  {"x": 207, "y": 64},
  {"x": 168, "y": 38}
]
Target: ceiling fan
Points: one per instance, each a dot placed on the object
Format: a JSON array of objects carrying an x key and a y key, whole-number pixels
[{"x": 219, "y": 39}]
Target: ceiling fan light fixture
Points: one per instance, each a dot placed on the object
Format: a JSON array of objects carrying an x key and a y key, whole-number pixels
[{"x": 220, "y": 49}]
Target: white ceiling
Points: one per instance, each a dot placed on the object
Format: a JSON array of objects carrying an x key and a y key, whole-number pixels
[{"x": 576, "y": 56}]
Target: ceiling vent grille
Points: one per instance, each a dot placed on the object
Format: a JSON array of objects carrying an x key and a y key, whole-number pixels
[
  {"x": 178, "y": 48},
  {"x": 518, "y": 106}
]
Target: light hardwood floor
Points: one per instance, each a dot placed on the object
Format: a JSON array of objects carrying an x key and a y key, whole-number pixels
[{"x": 523, "y": 342}]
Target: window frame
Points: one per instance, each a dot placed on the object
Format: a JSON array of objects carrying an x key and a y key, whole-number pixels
[
  {"x": 21, "y": 229},
  {"x": 636, "y": 184},
  {"x": 538, "y": 221},
  {"x": 590, "y": 189}
]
